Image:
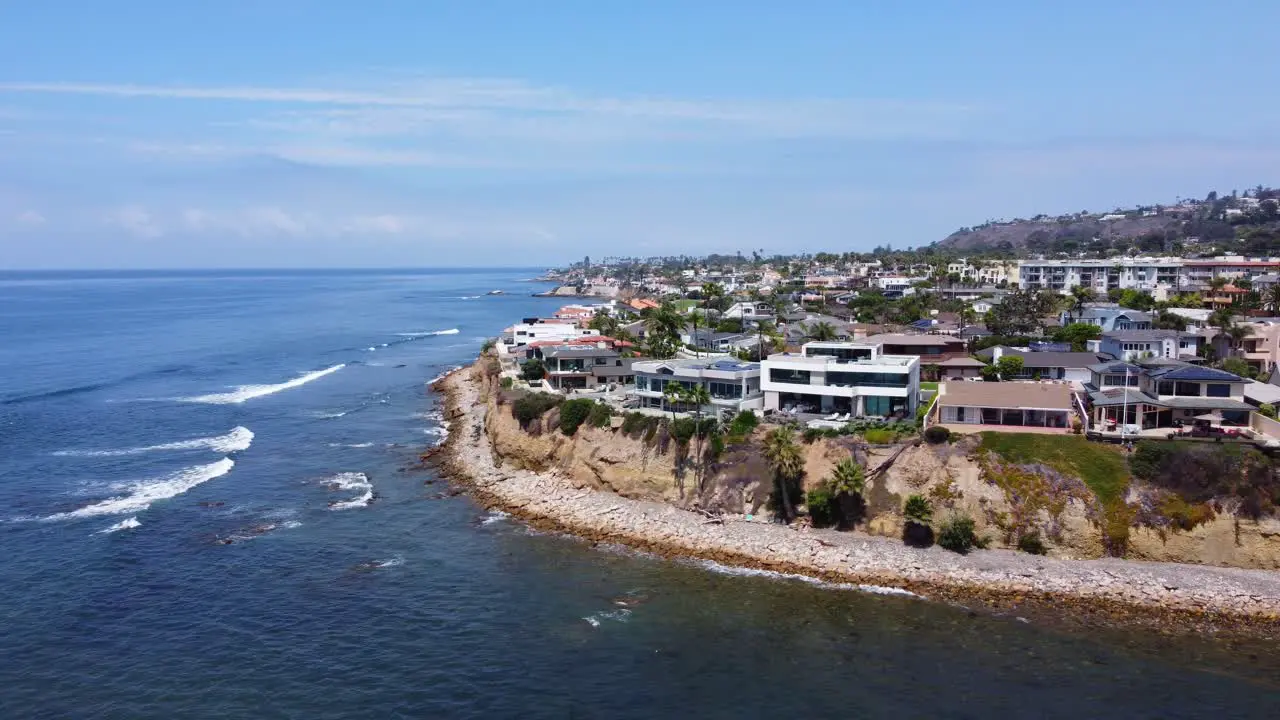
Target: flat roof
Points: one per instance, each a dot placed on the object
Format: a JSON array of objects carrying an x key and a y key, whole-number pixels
[
  {"x": 900, "y": 339},
  {"x": 1012, "y": 395}
]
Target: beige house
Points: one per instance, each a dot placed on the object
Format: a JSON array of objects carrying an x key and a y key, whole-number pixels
[{"x": 1009, "y": 406}]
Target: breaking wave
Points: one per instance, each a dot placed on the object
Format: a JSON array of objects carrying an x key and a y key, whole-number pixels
[
  {"x": 450, "y": 331},
  {"x": 141, "y": 495},
  {"x": 356, "y": 481},
  {"x": 244, "y": 393},
  {"x": 720, "y": 569},
  {"x": 596, "y": 619},
  {"x": 444, "y": 375},
  {"x": 239, "y": 438},
  {"x": 126, "y": 524}
]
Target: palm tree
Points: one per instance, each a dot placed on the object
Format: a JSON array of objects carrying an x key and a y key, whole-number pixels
[
  {"x": 672, "y": 392},
  {"x": 698, "y": 396},
  {"x": 1273, "y": 298},
  {"x": 787, "y": 462},
  {"x": 1079, "y": 296},
  {"x": 847, "y": 481},
  {"x": 663, "y": 325},
  {"x": 822, "y": 331}
]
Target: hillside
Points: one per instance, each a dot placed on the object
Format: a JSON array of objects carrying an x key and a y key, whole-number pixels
[
  {"x": 1248, "y": 223},
  {"x": 1022, "y": 235}
]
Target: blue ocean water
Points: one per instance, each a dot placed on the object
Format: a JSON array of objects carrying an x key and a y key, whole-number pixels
[{"x": 208, "y": 508}]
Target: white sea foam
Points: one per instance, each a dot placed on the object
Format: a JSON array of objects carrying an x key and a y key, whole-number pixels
[
  {"x": 352, "y": 481},
  {"x": 126, "y": 524},
  {"x": 753, "y": 572},
  {"x": 239, "y": 438},
  {"x": 469, "y": 297},
  {"x": 244, "y": 393},
  {"x": 443, "y": 375},
  {"x": 332, "y": 415},
  {"x": 450, "y": 331},
  {"x": 620, "y": 615},
  {"x": 141, "y": 495},
  {"x": 351, "y": 445},
  {"x": 494, "y": 516},
  {"x": 392, "y": 562}
]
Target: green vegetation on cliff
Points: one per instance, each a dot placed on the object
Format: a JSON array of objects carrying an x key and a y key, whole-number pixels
[{"x": 1102, "y": 467}]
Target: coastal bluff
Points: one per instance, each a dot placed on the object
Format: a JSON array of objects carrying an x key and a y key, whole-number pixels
[{"x": 609, "y": 488}]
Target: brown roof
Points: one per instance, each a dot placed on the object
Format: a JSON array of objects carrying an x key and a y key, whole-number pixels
[{"x": 1028, "y": 395}]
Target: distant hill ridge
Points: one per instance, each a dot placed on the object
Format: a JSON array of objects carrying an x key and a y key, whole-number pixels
[{"x": 1246, "y": 223}]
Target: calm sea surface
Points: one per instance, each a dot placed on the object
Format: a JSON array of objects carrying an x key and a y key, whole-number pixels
[{"x": 205, "y": 512}]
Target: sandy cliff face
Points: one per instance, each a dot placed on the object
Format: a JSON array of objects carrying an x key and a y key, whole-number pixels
[{"x": 739, "y": 482}]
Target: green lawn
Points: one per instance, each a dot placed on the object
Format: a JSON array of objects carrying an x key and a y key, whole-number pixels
[
  {"x": 685, "y": 306},
  {"x": 1101, "y": 466},
  {"x": 924, "y": 385}
]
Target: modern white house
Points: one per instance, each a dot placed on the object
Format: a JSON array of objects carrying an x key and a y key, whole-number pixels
[
  {"x": 848, "y": 378},
  {"x": 749, "y": 311},
  {"x": 532, "y": 330},
  {"x": 1140, "y": 344},
  {"x": 733, "y": 385}
]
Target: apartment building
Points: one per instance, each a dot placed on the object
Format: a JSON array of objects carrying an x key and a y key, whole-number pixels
[
  {"x": 1141, "y": 273},
  {"x": 854, "y": 379}
]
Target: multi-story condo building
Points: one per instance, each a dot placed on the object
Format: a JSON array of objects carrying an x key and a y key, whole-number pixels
[
  {"x": 1142, "y": 273},
  {"x": 733, "y": 385},
  {"x": 1198, "y": 273},
  {"x": 850, "y": 378}
]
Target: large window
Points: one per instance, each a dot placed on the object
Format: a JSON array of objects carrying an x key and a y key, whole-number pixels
[
  {"x": 1188, "y": 389},
  {"x": 843, "y": 354},
  {"x": 642, "y": 382},
  {"x": 1119, "y": 381},
  {"x": 724, "y": 390},
  {"x": 1164, "y": 387},
  {"x": 1217, "y": 390},
  {"x": 867, "y": 379},
  {"x": 794, "y": 377},
  {"x": 883, "y": 406}
]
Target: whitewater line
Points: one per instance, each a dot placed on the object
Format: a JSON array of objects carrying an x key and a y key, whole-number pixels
[
  {"x": 244, "y": 393},
  {"x": 239, "y": 438}
]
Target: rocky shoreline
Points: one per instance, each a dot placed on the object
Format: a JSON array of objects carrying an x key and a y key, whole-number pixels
[{"x": 1108, "y": 592}]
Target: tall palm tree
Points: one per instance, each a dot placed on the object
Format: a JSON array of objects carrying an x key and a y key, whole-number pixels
[
  {"x": 787, "y": 462},
  {"x": 673, "y": 392},
  {"x": 698, "y": 396},
  {"x": 848, "y": 481}
]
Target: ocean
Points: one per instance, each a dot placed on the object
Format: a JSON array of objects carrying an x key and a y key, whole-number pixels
[{"x": 209, "y": 507}]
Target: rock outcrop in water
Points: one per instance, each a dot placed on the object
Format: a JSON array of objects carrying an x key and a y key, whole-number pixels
[{"x": 608, "y": 490}]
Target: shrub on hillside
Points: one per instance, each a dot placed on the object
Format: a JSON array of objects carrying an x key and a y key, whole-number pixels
[
  {"x": 533, "y": 370},
  {"x": 573, "y": 413},
  {"x": 936, "y": 435},
  {"x": 822, "y": 504},
  {"x": 743, "y": 423},
  {"x": 1201, "y": 472},
  {"x": 878, "y": 436},
  {"x": 1030, "y": 542},
  {"x": 957, "y": 534},
  {"x": 600, "y": 415},
  {"x": 530, "y": 407},
  {"x": 682, "y": 429},
  {"x": 918, "y": 512}
]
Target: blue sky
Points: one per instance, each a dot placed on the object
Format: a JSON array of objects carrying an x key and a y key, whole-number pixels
[{"x": 411, "y": 133}]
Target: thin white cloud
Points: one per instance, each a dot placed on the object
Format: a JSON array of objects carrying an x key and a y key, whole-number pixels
[{"x": 457, "y": 100}]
